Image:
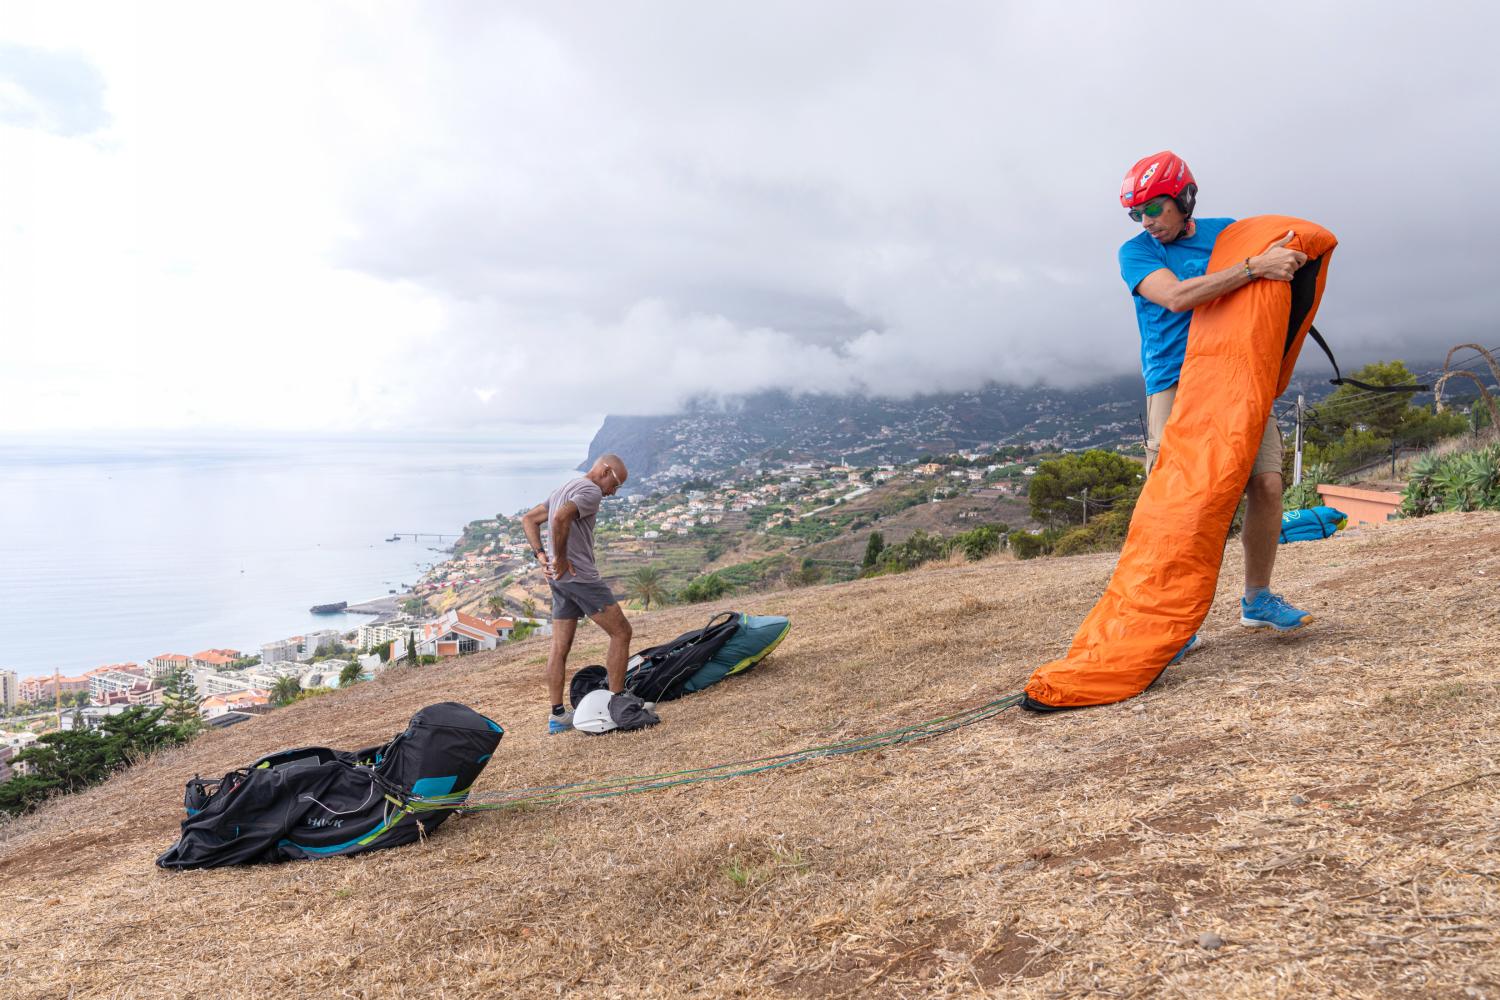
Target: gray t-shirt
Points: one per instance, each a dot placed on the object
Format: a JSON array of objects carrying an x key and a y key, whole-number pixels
[{"x": 587, "y": 497}]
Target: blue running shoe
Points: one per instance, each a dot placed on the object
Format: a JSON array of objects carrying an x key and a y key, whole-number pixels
[
  {"x": 559, "y": 723},
  {"x": 1273, "y": 610},
  {"x": 1192, "y": 644}
]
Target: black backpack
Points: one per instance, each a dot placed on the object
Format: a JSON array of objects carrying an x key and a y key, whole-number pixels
[
  {"x": 315, "y": 802},
  {"x": 662, "y": 671}
]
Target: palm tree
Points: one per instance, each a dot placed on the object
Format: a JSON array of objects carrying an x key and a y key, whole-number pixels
[
  {"x": 496, "y": 605},
  {"x": 285, "y": 690},
  {"x": 647, "y": 584},
  {"x": 528, "y": 607},
  {"x": 350, "y": 674}
]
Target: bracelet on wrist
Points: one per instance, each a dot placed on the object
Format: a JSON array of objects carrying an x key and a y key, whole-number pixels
[{"x": 1249, "y": 273}]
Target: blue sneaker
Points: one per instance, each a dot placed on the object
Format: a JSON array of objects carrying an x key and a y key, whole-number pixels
[
  {"x": 1273, "y": 610},
  {"x": 1192, "y": 644},
  {"x": 559, "y": 723}
]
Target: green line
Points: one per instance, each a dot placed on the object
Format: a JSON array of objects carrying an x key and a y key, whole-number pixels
[
  {"x": 980, "y": 711},
  {"x": 613, "y": 787}
]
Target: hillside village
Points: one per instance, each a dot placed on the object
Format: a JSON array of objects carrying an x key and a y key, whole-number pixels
[
  {"x": 710, "y": 437},
  {"x": 760, "y": 509}
]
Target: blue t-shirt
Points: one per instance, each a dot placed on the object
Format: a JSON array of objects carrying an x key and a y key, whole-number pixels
[{"x": 1164, "y": 334}]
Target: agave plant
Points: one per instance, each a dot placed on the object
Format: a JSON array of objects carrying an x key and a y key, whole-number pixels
[
  {"x": 1480, "y": 471},
  {"x": 1304, "y": 495},
  {"x": 1421, "y": 496}
]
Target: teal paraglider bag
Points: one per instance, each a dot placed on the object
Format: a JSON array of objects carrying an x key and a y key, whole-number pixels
[
  {"x": 758, "y": 635},
  {"x": 1311, "y": 524}
]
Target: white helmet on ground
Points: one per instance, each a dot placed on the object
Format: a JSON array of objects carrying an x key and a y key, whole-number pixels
[{"x": 592, "y": 713}]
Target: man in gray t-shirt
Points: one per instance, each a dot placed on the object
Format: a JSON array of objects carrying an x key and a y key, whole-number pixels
[{"x": 577, "y": 589}]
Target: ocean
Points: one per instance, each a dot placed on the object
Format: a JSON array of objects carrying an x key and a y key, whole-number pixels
[{"x": 120, "y": 550}]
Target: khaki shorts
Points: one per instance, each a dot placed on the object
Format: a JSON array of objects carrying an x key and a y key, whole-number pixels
[{"x": 1159, "y": 407}]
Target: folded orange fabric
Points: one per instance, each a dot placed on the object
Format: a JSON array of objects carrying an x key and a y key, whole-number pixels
[{"x": 1240, "y": 354}]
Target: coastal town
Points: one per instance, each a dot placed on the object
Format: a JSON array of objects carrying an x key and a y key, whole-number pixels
[{"x": 223, "y": 687}]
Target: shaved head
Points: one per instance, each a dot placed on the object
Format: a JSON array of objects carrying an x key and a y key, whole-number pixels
[
  {"x": 612, "y": 461},
  {"x": 609, "y": 472}
]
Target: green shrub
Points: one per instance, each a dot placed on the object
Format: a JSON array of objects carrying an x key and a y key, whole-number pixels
[
  {"x": 1103, "y": 533},
  {"x": 1028, "y": 546},
  {"x": 985, "y": 540},
  {"x": 916, "y": 550},
  {"x": 709, "y": 587},
  {"x": 1462, "y": 481},
  {"x": 1304, "y": 495}
]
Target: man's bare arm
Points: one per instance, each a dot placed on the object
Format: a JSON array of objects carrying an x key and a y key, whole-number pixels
[
  {"x": 562, "y": 526},
  {"x": 1277, "y": 263},
  {"x": 531, "y": 523}
]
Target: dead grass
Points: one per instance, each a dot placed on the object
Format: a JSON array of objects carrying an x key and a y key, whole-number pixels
[{"x": 1324, "y": 804}]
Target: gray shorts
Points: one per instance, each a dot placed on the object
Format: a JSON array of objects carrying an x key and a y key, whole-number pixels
[{"x": 576, "y": 599}]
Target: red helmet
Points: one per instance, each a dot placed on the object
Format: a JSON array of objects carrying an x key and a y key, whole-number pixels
[{"x": 1156, "y": 175}]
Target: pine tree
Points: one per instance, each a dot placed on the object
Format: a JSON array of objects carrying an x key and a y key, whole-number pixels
[{"x": 182, "y": 703}]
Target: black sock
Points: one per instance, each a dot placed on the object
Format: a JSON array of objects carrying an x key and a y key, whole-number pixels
[{"x": 557, "y": 710}]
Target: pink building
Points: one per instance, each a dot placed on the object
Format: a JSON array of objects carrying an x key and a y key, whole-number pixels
[{"x": 1363, "y": 504}]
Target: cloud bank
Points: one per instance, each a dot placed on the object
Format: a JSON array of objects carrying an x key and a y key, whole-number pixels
[{"x": 459, "y": 217}]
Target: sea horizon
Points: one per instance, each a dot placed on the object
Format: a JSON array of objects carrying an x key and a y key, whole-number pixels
[{"x": 123, "y": 546}]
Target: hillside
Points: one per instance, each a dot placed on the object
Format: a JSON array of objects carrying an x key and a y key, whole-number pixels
[
  {"x": 712, "y": 436},
  {"x": 1325, "y": 804}
]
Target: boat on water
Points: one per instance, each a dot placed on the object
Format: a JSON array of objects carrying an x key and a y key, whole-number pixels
[
  {"x": 328, "y": 609},
  {"x": 394, "y": 538}
]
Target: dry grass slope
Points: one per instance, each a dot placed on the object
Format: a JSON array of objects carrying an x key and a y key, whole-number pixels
[{"x": 1324, "y": 804}]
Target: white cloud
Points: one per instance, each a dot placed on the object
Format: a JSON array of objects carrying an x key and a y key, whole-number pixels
[{"x": 447, "y": 217}]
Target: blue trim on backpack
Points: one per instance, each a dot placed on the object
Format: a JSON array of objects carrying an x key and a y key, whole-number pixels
[{"x": 429, "y": 787}]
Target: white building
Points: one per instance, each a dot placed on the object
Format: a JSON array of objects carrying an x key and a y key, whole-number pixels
[
  {"x": 314, "y": 643},
  {"x": 216, "y": 682},
  {"x": 282, "y": 649},
  {"x": 370, "y": 636},
  {"x": 10, "y": 688},
  {"x": 113, "y": 682},
  {"x": 456, "y": 633},
  {"x": 163, "y": 664},
  {"x": 91, "y": 717}
]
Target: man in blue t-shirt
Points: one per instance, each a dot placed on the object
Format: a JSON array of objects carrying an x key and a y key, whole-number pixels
[{"x": 1166, "y": 269}]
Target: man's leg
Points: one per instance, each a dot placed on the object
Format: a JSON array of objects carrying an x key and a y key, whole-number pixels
[
  {"x": 1261, "y": 532},
  {"x": 614, "y": 623},
  {"x": 563, "y": 630}
]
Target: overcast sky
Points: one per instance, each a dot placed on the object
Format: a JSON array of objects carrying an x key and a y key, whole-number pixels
[{"x": 457, "y": 216}]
